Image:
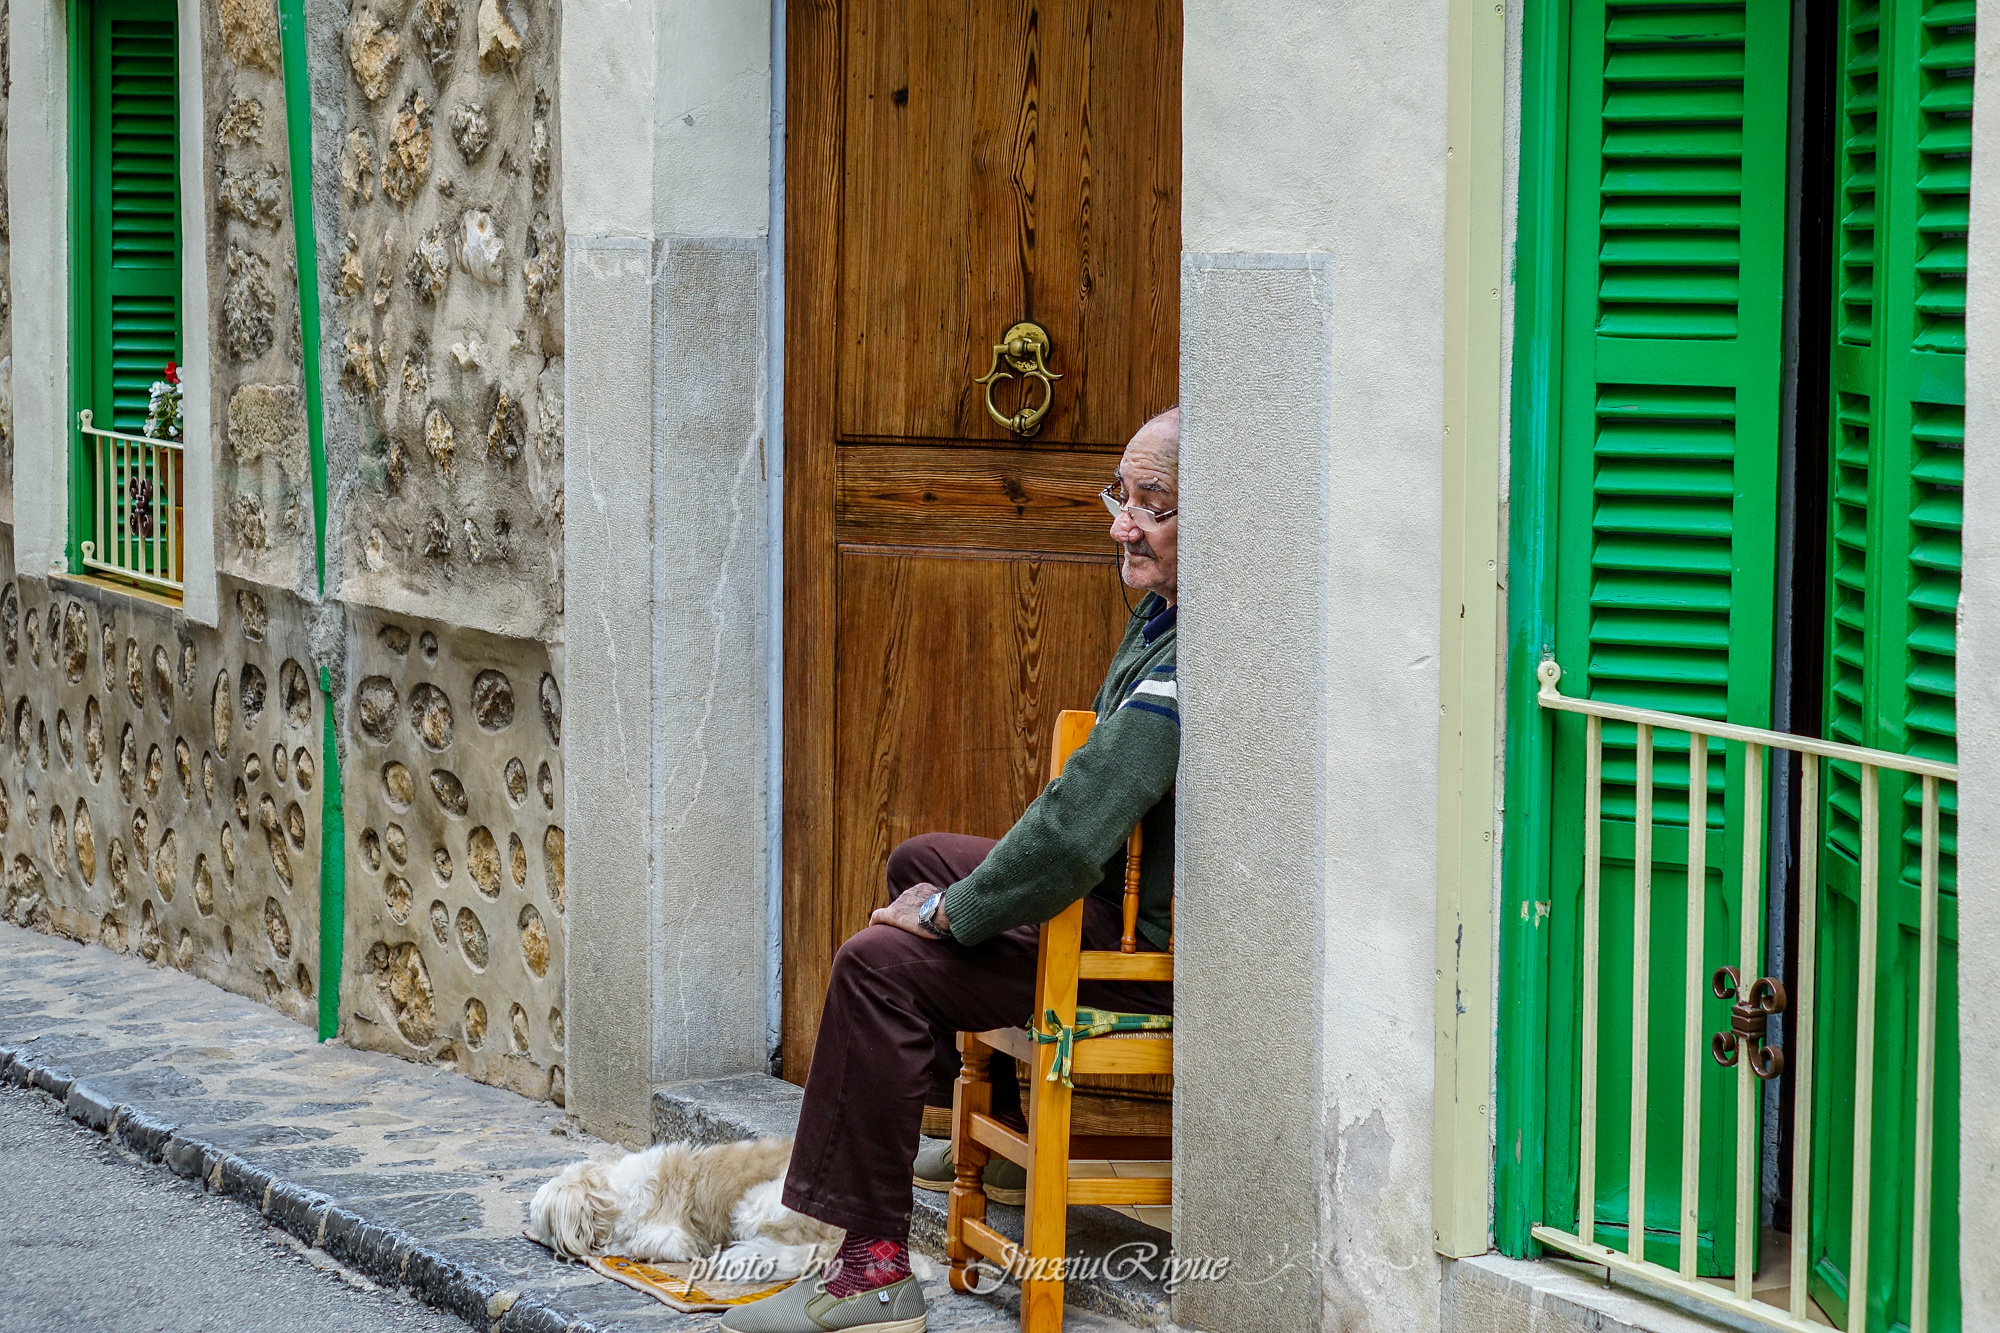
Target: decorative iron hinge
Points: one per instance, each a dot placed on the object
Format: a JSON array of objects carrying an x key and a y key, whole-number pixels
[
  {"x": 139, "y": 507},
  {"x": 1763, "y": 998}
]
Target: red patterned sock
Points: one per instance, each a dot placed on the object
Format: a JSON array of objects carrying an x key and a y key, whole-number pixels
[{"x": 865, "y": 1263}]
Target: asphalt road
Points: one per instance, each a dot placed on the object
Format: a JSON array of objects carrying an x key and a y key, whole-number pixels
[{"x": 93, "y": 1239}]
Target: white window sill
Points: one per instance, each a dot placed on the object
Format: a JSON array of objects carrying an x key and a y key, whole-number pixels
[{"x": 1491, "y": 1293}]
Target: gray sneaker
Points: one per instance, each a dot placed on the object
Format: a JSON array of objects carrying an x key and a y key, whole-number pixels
[
  {"x": 806, "y": 1307},
  {"x": 1005, "y": 1181}
]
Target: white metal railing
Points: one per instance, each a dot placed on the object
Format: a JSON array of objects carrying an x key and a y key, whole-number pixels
[
  {"x": 134, "y": 530},
  {"x": 1798, "y": 1061}
]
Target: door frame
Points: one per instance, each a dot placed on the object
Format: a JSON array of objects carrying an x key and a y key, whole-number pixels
[{"x": 810, "y": 266}]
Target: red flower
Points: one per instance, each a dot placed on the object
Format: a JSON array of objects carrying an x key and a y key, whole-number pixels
[{"x": 173, "y": 373}]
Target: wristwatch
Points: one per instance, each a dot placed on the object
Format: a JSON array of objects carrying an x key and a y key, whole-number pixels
[{"x": 927, "y": 917}]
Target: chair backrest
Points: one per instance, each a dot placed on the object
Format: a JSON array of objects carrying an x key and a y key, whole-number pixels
[
  {"x": 1073, "y": 728},
  {"x": 1062, "y": 959}
]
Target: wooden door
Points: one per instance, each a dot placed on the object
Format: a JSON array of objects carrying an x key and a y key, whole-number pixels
[{"x": 954, "y": 167}]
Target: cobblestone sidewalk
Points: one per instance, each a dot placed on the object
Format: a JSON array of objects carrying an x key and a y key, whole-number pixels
[{"x": 408, "y": 1174}]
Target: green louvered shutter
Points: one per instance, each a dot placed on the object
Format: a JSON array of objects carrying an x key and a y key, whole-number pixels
[
  {"x": 131, "y": 310},
  {"x": 1896, "y": 472},
  {"x": 1665, "y": 527}
]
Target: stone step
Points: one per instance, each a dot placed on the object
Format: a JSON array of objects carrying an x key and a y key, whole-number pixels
[{"x": 1125, "y": 1285}]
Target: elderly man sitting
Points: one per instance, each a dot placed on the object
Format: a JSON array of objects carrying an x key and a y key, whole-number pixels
[{"x": 954, "y": 950}]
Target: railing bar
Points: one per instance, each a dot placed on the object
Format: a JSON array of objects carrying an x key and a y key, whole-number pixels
[
  {"x": 1799, "y": 1060},
  {"x": 1927, "y": 964},
  {"x": 1642, "y": 952},
  {"x": 1727, "y": 731},
  {"x": 122, "y": 482},
  {"x": 107, "y": 488},
  {"x": 1750, "y": 912},
  {"x": 128, "y": 540},
  {"x": 1593, "y": 838},
  {"x": 167, "y": 562},
  {"x": 103, "y": 533},
  {"x": 1864, "y": 1050},
  {"x": 1691, "y": 1044},
  {"x": 1770, "y": 1316}
]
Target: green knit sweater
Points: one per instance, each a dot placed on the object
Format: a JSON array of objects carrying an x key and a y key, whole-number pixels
[{"x": 1071, "y": 840}]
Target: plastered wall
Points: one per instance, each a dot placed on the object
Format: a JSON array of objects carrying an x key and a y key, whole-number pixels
[
  {"x": 1979, "y": 722},
  {"x": 1324, "y": 1192}
]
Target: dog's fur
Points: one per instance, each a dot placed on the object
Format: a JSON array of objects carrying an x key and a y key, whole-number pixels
[{"x": 675, "y": 1201}]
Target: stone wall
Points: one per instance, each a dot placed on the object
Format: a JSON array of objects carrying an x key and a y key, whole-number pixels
[
  {"x": 160, "y": 789},
  {"x": 159, "y": 782},
  {"x": 455, "y": 850},
  {"x": 263, "y": 507},
  {"x": 447, "y": 313}
]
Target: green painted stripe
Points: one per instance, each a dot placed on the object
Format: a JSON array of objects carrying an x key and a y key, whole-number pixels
[
  {"x": 298, "y": 140},
  {"x": 333, "y": 855},
  {"x": 332, "y": 868}
]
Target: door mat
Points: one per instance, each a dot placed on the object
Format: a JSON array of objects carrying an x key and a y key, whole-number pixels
[{"x": 673, "y": 1284}]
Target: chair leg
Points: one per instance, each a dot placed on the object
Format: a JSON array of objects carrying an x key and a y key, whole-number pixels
[
  {"x": 973, "y": 1095},
  {"x": 1045, "y": 1227}
]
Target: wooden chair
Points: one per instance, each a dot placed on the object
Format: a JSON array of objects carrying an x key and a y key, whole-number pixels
[{"x": 1051, "y": 1143}]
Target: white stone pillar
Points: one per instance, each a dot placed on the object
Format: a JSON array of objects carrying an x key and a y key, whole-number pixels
[
  {"x": 1312, "y": 393},
  {"x": 666, "y": 141},
  {"x": 38, "y": 278}
]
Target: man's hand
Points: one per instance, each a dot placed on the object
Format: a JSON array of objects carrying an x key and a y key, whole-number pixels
[{"x": 902, "y": 913}]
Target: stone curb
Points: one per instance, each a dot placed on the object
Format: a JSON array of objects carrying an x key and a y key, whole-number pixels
[{"x": 386, "y": 1255}]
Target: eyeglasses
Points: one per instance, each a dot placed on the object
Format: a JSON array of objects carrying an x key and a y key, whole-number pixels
[{"x": 1147, "y": 519}]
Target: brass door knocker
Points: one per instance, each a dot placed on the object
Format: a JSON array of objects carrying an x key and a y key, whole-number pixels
[
  {"x": 1024, "y": 349},
  {"x": 1764, "y": 997}
]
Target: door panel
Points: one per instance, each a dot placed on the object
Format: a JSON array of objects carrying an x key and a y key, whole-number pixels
[
  {"x": 994, "y": 499},
  {"x": 952, "y": 669},
  {"x": 952, "y": 169},
  {"x": 1009, "y": 161},
  {"x": 1896, "y": 470},
  {"x": 1666, "y": 535}
]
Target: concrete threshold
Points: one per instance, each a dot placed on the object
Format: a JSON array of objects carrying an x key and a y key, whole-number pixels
[
  {"x": 1491, "y": 1293},
  {"x": 1123, "y": 1286},
  {"x": 409, "y": 1175}
]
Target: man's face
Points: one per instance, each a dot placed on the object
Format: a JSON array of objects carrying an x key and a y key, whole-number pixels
[{"x": 1147, "y": 477}]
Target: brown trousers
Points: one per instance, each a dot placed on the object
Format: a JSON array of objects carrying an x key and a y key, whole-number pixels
[{"x": 894, "y": 1005}]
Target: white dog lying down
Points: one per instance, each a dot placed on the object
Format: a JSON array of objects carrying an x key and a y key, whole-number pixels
[{"x": 675, "y": 1202}]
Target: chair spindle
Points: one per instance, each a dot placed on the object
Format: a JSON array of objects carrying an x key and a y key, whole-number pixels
[{"x": 1129, "y": 943}]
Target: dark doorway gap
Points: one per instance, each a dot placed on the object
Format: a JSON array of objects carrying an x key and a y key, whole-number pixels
[{"x": 1798, "y": 706}]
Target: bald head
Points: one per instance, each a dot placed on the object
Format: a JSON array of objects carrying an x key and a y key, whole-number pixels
[
  {"x": 1149, "y": 475},
  {"x": 1162, "y": 438}
]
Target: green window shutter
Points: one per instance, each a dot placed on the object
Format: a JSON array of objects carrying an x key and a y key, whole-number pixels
[
  {"x": 130, "y": 298},
  {"x": 1665, "y": 461},
  {"x": 1896, "y": 473}
]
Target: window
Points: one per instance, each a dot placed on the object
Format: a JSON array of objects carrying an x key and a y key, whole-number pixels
[
  {"x": 1649, "y": 501},
  {"x": 125, "y": 486}
]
